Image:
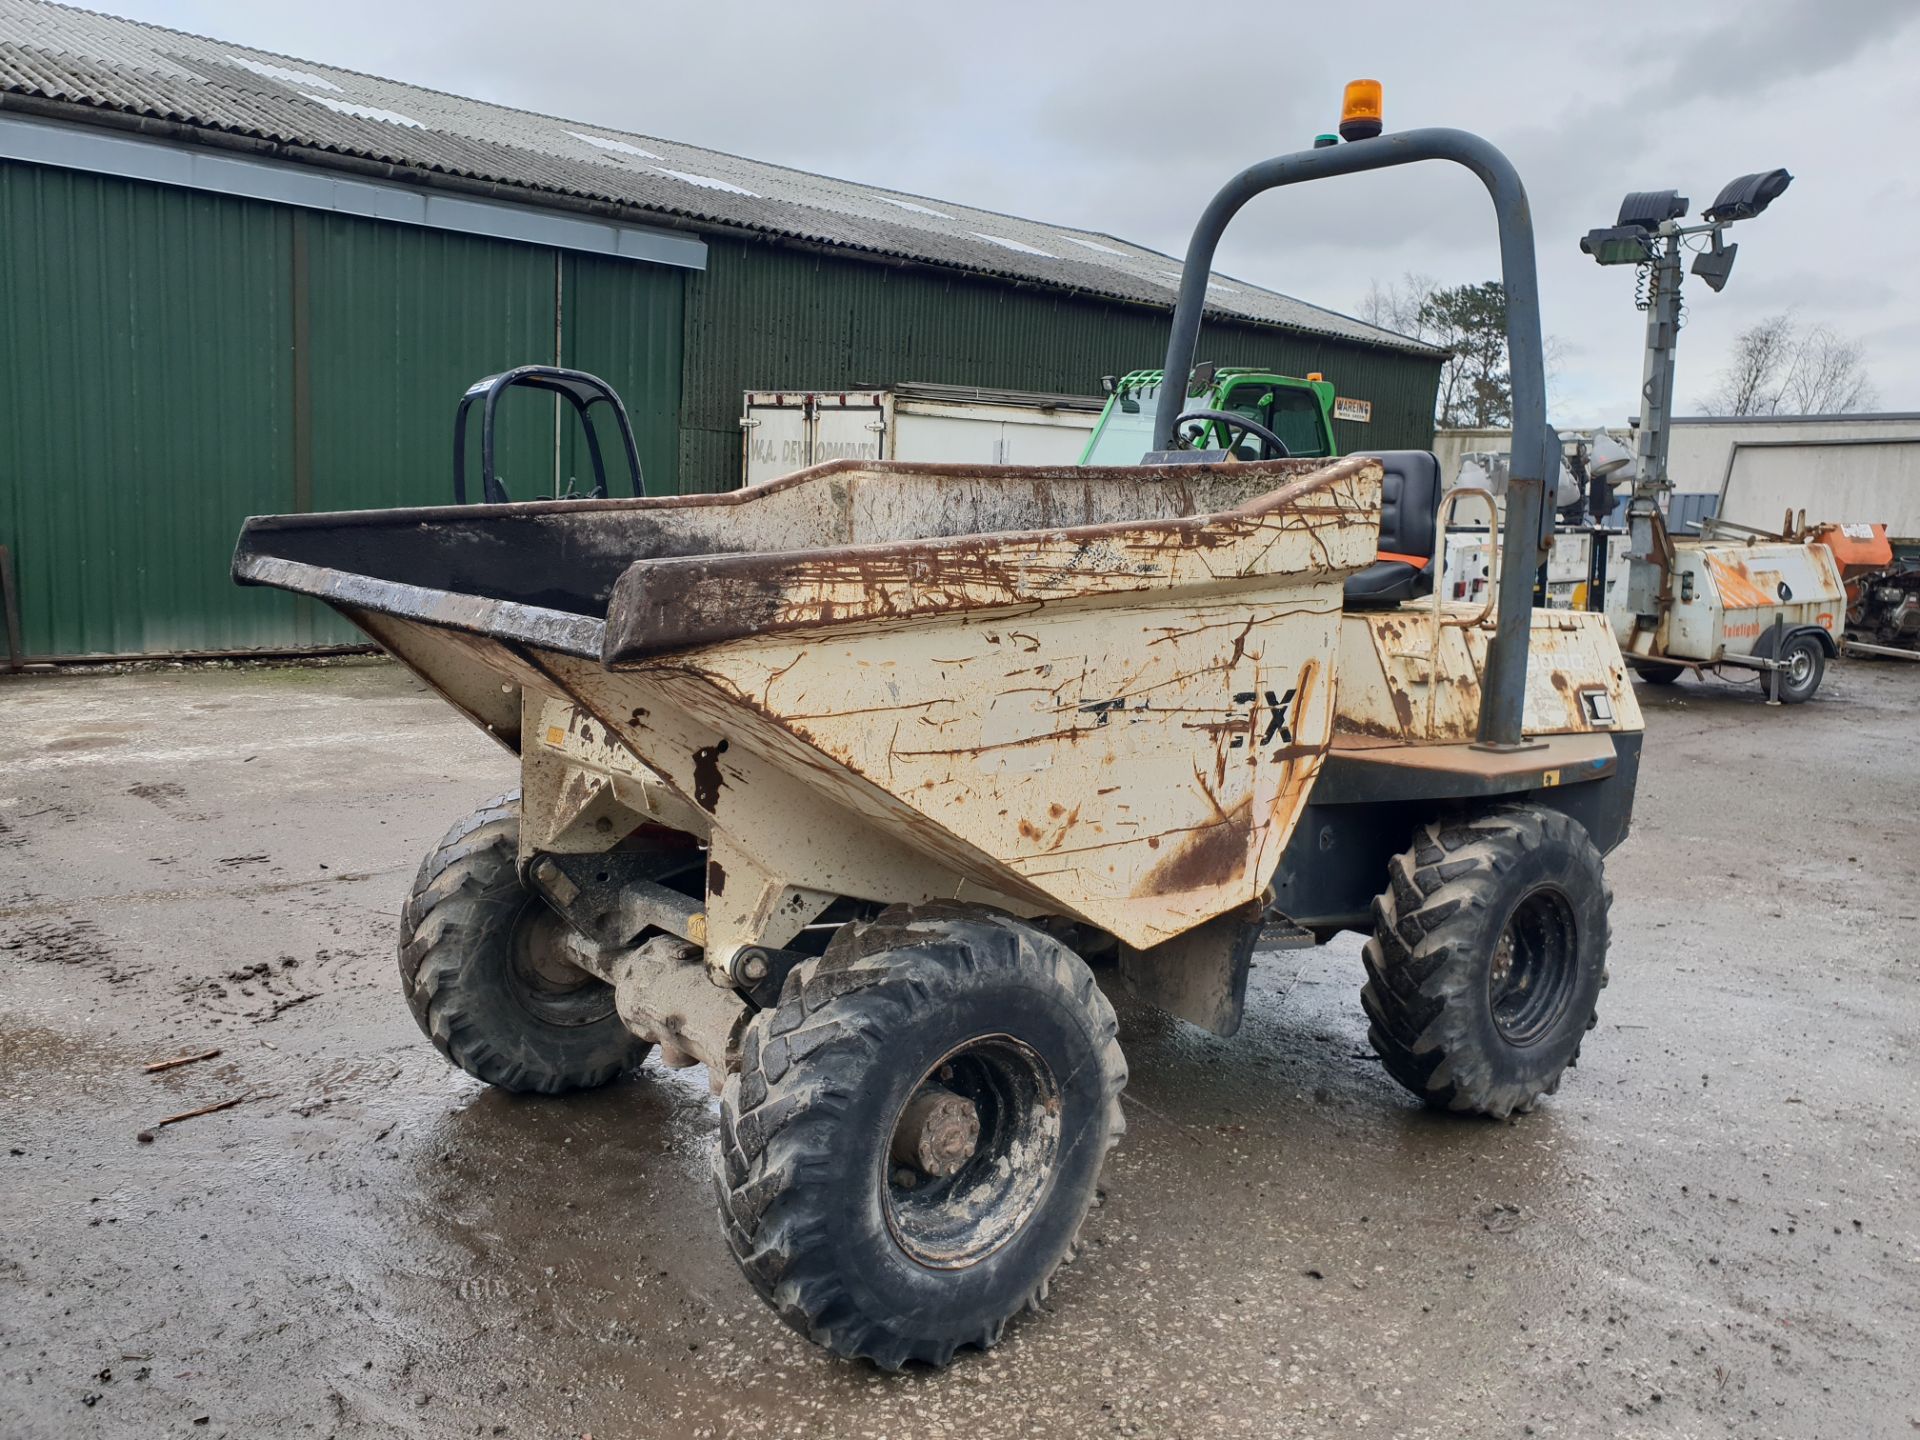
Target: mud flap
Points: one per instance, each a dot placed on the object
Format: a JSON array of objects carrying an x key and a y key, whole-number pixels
[
  {"x": 1201, "y": 976},
  {"x": 1763, "y": 648}
]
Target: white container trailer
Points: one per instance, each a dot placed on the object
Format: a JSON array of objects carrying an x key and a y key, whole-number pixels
[{"x": 788, "y": 430}]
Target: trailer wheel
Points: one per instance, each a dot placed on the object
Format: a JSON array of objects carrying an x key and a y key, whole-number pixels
[
  {"x": 912, "y": 1140},
  {"x": 1660, "y": 674},
  {"x": 1488, "y": 956},
  {"x": 479, "y": 972},
  {"x": 1805, "y": 660}
]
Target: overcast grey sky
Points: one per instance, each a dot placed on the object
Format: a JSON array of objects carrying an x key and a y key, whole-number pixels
[{"x": 1118, "y": 118}]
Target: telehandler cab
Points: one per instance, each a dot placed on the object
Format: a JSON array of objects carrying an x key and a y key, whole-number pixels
[{"x": 848, "y": 785}]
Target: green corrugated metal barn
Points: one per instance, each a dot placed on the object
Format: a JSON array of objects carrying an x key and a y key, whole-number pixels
[{"x": 238, "y": 284}]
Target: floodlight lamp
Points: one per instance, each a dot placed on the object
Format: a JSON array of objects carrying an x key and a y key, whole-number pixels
[
  {"x": 1746, "y": 197},
  {"x": 1649, "y": 209},
  {"x": 1618, "y": 245},
  {"x": 1606, "y": 456}
]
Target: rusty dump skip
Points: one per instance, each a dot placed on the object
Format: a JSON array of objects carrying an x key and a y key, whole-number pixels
[
  {"x": 1104, "y": 693},
  {"x": 1126, "y": 543}
]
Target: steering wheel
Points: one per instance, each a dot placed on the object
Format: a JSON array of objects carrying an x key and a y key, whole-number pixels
[{"x": 1234, "y": 421}]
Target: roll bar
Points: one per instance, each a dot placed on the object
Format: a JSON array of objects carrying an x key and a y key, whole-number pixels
[
  {"x": 1536, "y": 450},
  {"x": 578, "y": 388}
]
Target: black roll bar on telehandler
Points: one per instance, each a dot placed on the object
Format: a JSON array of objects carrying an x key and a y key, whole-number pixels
[{"x": 578, "y": 388}]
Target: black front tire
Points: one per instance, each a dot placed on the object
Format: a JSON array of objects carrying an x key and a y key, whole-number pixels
[
  {"x": 1806, "y": 662},
  {"x": 478, "y": 973},
  {"x": 874, "y": 1260},
  {"x": 1488, "y": 956},
  {"x": 1660, "y": 674}
]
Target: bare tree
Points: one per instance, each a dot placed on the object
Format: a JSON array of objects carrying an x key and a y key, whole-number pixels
[
  {"x": 1827, "y": 377},
  {"x": 1778, "y": 368},
  {"x": 1748, "y": 383},
  {"x": 1396, "y": 306}
]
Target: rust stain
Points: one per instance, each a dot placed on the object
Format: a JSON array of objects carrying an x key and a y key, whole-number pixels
[
  {"x": 1358, "y": 725},
  {"x": 1303, "y": 691},
  {"x": 1402, "y": 706},
  {"x": 1739, "y": 590},
  {"x": 716, "y": 878},
  {"x": 685, "y": 601},
  {"x": 577, "y": 791},
  {"x": 1212, "y": 855},
  {"x": 1051, "y": 837}
]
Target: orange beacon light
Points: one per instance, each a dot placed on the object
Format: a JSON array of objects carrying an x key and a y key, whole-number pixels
[{"x": 1360, "y": 110}]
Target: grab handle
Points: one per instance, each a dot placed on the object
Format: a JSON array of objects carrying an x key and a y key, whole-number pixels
[{"x": 1440, "y": 558}]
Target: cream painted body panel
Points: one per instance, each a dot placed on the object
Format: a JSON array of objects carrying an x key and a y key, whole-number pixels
[
  {"x": 1119, "y": 723},
  {"x": 1391, "y": 689},
  {"x": 1120, "y": 720},
  {"x": 1126, "y": 736}
]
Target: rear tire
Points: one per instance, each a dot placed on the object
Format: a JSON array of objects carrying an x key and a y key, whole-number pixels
[
  {"x": 1806, "y": 662},
  {"x": 859, "y": 1249},
  {"x": 1487, "y": 958},
  {"x": 1660, "y": 674},
  {"x": 477, "y": 968}
]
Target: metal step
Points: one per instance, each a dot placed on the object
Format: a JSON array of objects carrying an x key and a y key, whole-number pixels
[{"x": 1280, "y": 933}]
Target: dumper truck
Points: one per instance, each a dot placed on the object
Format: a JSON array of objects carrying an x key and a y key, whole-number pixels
[{"x": 863, "y": 787}]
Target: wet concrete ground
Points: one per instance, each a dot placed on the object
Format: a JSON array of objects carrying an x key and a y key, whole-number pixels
[{"x": 1712, "y": 1230}]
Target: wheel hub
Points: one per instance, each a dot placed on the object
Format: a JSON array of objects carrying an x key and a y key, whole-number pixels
[
  {"x": 972, "y": 1151},
  {"x": 1532, "y": 972},
  {"x": 938, "y": 1132},
  {"x": 547, "y": 982},
  {"x": 1502, "y": 962}
]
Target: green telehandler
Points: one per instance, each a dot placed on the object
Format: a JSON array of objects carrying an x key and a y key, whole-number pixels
[{"x": 1253, "y": 414}]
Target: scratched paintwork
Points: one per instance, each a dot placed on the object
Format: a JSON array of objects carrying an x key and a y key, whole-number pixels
[
  {"x": 1119, "y": 725},
  {"x": 1124, "y": 721},
  {"x": 1137, "y": 542},
  {"x": 1105, "y": 694},
  {"x": 1392, "y": 691},
  {"x": 1098, "y": 693}
]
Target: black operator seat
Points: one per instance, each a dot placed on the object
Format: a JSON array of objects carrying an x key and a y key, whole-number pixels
[{"x": 1409, "y": 515}]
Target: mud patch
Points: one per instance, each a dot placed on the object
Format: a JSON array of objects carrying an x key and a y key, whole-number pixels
[
  {"x": 707, "y": 779},
  {"x": 14, "y": 829},
  {"x": 56, "y": 940},
  {"x": 67, "y": 940},
  {"x": 263, "y": 990}
]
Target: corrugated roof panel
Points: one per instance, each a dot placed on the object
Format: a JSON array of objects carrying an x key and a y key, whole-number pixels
[{"x": 101, "y": 61}]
